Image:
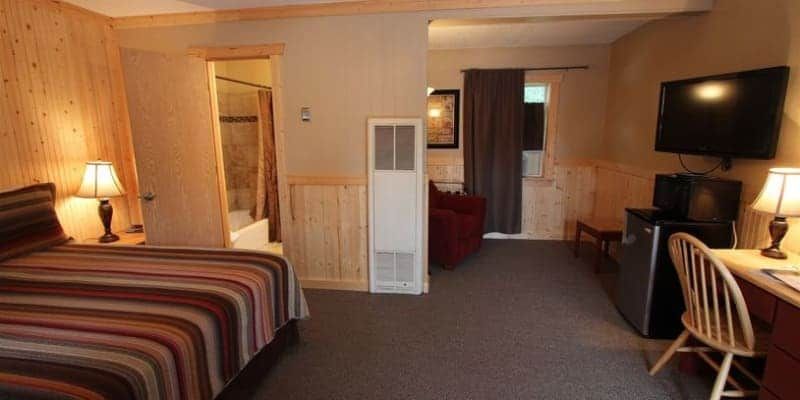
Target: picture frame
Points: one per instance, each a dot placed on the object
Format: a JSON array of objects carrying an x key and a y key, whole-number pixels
[{"x": 443, "y": 119}]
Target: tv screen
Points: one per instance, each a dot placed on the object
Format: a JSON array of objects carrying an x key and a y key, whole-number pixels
[{"x": 734, "y": 115}]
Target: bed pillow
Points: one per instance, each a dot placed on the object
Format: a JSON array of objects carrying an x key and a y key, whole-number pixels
[{"x": 28, "y": 220}]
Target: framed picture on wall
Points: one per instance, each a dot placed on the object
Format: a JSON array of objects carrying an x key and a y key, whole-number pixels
[{"x": 443, "y": 119}]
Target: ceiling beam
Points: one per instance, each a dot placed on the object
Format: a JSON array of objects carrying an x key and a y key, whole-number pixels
[
  {"x": 237, "y": 53},
  {"x": 330, "y": 9}
]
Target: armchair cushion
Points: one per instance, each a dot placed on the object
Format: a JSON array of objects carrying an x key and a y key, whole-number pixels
[
  {"x": 470, "y": 205},
  {"x": 469, "y": 226}
]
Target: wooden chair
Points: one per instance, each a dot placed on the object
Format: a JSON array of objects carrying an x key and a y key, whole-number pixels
[{"x": 716, "y": 315}]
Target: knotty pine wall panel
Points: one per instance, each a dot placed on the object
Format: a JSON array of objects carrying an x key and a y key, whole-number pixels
[
  {"x": 598, "y": 188},
  {"x": 61, "y": 105},
  {"x": 620, "y": 186},
  {"x": 327, "y": 238},
  {"x": 550, "y": 207}
]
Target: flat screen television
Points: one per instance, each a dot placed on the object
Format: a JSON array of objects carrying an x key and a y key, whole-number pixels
[{"x": 735, "y": 115}]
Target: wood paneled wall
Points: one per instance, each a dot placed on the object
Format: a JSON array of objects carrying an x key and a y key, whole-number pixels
[
  {"x": 620, "y": 186},
  {"x": 584, "y": 188},
  {"x": 448, "y": 175},
  {"x": 598, "y": 188},
  {"x": 549, "y": 206},
  {"x": 327, "y": 238},
  {"x": 62, "y": 104}
]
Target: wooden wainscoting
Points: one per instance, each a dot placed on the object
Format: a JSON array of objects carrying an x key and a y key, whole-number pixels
[
  {"x": 550, "y": 207},
  {"x": 577, "y": 181},
  {"x": 63, "y": 104},
  {"x": 447, "y": 174},
  {"x": 620, "y": 186},
  {"x": 753, "y": 230},
  {"x": 327, "y": 238}
]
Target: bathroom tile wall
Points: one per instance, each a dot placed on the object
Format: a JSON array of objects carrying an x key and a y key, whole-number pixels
[{"x": 240, "y": 147}]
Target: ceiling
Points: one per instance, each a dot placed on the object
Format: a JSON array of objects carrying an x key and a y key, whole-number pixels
[
  {"x": 130, "y": 8},
  {"x": 527, "y": 32},
  {"x": 126, "y": 8}
]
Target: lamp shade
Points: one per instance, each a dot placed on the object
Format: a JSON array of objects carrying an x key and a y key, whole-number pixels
[
  {"x": 100, "y": 181},
  {"x": 781, "y": 193}
]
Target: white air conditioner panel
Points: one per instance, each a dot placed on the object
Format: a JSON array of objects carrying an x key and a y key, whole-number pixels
[
  {"x": 395, "y": 208},
  {"x": 395, "y": 193}
]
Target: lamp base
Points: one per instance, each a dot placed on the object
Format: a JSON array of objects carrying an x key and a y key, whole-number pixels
[
  {"x": 106, "y": 212},
  {"x": 777, "y": 230},
  {"x": 108, "y": 238},
  {"x": 773, "y": 253}
]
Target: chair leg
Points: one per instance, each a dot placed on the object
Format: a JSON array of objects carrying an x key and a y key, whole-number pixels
[
  {"x": 722, "y": 377},
  {"x": 577, "y": 239},
  {"x": 671, "y": 350}
]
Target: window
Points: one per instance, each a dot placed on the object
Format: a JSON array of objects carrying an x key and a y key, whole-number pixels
[
  {"x": 535, "y": 93},
  {"x": 533, "y": 141}
]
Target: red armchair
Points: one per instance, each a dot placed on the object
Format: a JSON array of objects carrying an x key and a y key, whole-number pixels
[{"x": 455, "y": 226}]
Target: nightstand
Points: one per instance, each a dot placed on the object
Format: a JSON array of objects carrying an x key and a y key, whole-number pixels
[{"x": 125, "y": 239}]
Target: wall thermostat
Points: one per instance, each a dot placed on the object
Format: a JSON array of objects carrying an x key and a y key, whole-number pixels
[{"x": 305, "y": 114}]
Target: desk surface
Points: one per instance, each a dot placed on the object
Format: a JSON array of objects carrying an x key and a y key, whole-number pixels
[
  {"x": 125, "y": 239},
  {"x": 747, "y": 265}
]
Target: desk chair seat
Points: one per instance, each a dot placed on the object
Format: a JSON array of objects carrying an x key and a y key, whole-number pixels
[
  {"x": 716, "y": 315},
  {"x": 761, "y": 333}
]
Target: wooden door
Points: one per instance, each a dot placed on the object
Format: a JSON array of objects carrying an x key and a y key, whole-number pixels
[{"x": 171, "y": 122}]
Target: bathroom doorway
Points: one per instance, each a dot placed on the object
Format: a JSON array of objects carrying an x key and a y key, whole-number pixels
[{"x": 247, "y": 139}]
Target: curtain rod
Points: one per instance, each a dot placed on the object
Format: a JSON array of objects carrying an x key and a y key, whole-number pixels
[
  {"x": 559, "y": 68},
  {"x": 242, "y": 82}
]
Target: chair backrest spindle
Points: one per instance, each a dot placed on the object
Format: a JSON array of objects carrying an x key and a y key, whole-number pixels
[{"x": 709, "y": 292}]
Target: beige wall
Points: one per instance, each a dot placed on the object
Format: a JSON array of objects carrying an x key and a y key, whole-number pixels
[
  {"x": 736, "y": 35},
  {"x": 583, "y": 93},
  {"x": 345, "y": 68}
]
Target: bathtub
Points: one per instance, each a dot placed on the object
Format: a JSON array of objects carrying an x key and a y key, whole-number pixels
[{"x": 246, "y": 233}]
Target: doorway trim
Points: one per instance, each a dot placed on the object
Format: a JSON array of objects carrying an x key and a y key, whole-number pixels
[
  {"x": 274, "y": 53},
  {"x": 237, "y": 52}
]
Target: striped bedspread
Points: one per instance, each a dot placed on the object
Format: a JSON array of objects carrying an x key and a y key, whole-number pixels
[{"x": 137, "y": 322}]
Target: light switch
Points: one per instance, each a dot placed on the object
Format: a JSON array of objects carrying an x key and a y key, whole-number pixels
[{"x": 305, "y": 114}]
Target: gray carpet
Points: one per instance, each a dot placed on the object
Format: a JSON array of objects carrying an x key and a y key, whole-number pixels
[{"x": 520, "y": 320}]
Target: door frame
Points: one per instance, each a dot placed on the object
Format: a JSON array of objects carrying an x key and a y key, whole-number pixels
[{"x": 274, "y": 53}]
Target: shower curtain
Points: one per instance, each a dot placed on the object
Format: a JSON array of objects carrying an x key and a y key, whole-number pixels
[{"x": 267, "y": 186}]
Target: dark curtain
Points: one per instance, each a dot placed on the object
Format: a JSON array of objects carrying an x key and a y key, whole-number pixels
[
  {"x": 493, "y": 129},
  {"x": 534, "y": 127},
  {"x": 267, "y": 189}
]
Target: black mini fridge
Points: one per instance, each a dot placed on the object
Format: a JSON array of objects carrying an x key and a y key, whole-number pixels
[{"x": 648, "y": 292}]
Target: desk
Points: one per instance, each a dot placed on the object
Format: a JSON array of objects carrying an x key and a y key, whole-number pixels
[
  {"x": 125, "y": 239},
  {"x": 778, "y": 305}
]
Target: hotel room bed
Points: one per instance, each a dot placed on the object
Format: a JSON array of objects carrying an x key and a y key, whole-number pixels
[{"x": 131, "y": 322}]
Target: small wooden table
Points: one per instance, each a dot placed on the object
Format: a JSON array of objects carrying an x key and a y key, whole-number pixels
[
  {"x": 125, "y": 239},
  {"x": 603, "y": 230}
]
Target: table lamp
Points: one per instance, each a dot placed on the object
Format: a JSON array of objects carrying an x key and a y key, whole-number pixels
[
  {"x": 100, "y": 182},
  {"x": 781, "y": 197}
]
